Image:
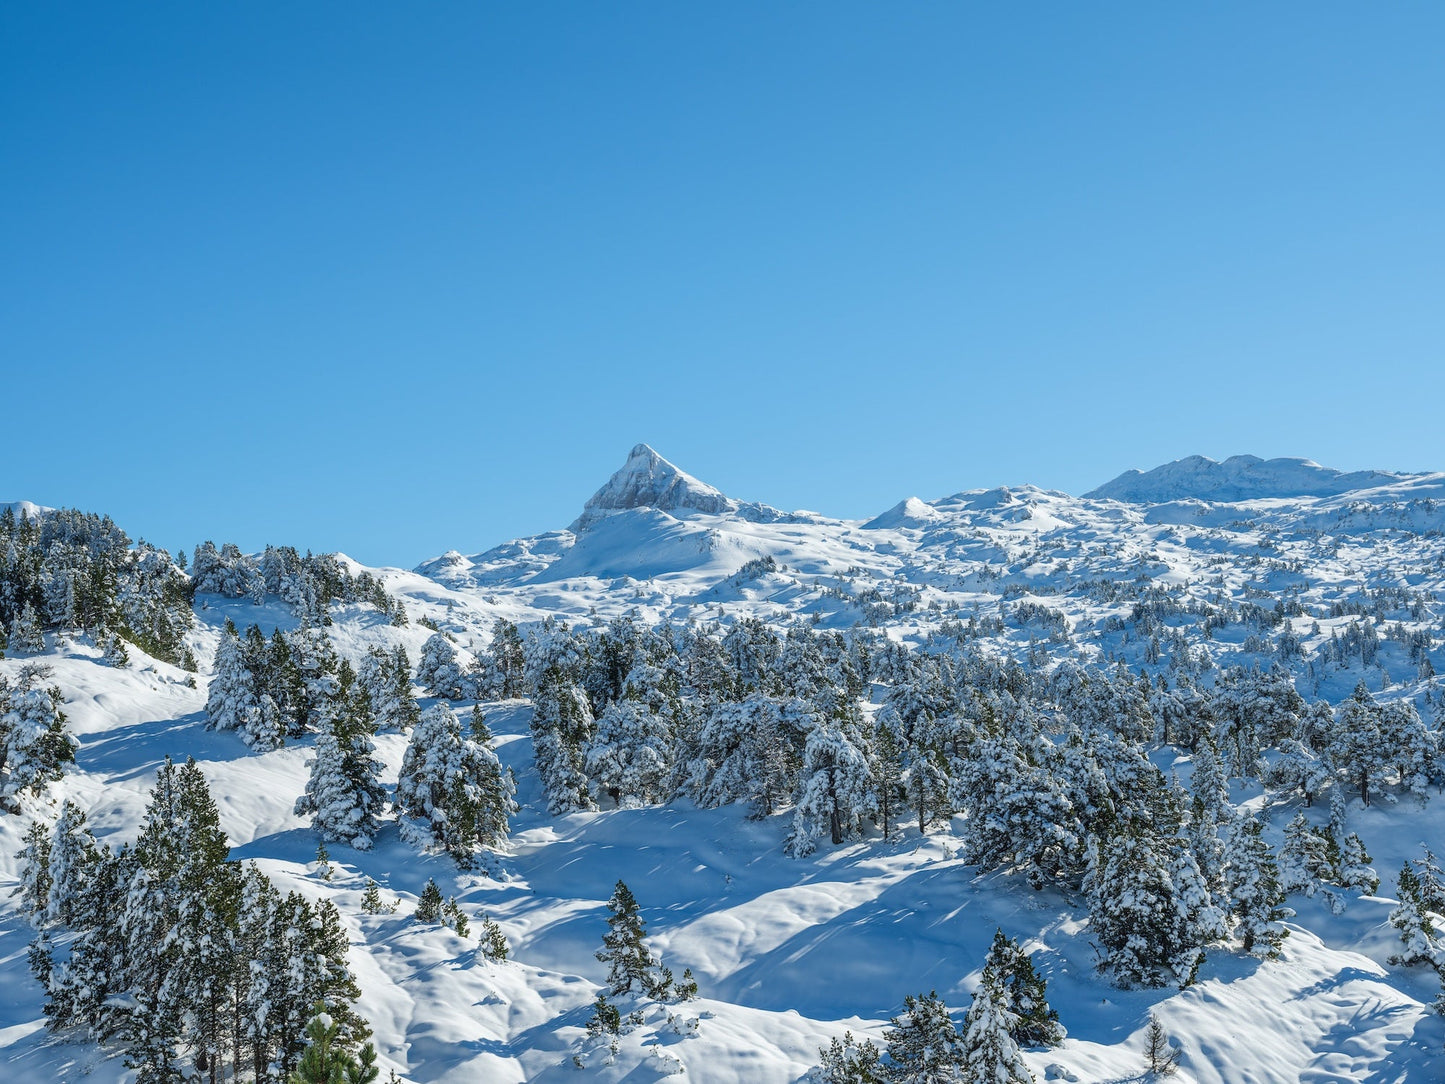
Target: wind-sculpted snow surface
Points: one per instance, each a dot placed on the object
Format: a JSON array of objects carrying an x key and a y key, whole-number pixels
[{"x": 790, "y": 953}]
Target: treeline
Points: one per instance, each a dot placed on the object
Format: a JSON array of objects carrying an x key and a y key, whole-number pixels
[
  {"x": 1049, "y": 772},
  {"x": 309, "y": 583},
  {"x": 185, "y": 960},
  {"x": 71, "y": 570}
]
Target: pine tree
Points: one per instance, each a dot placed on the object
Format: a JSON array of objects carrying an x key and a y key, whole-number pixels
[
  {"x": 1252, "y": 881},
  {"x": 924, "y": 1047},
  {"x": 1009, "y": 972},
  {"x": 1410, "y": 918},
  {"x": 624, "y": 946},
  {"x": 440, "y": 671},
  {"x": 836, "y": 791},
  {"x": 847, "y": 1061},
  {"x": 493, "y": 941},
  {"x": 1304, "y": 858},
  {"x": 1160, "y": 1058},
  {"x": 34, "y": 744},
  {"x": 344, "y": 793},
  {"x": 1355, "y": 868},
  {"x": 429, "y": 903},
  {"x": 989, "y": 1051},
  {"x": 452, "y": 792},
  {"x": 328, "y": 1061},
  {"x": 26, "y": 635},
  {"x": 73, "y": 855}
]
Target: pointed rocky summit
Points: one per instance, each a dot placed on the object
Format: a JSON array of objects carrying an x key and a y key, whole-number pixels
[{"x": 647, "y": 480}]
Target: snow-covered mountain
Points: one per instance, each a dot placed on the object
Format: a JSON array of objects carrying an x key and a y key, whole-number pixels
[
  {"x": 1238, "y": 478},
  {"x": 1184, "y": 573}
]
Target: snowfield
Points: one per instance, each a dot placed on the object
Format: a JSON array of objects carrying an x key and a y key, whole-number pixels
[{"x": 789, "y": 952}]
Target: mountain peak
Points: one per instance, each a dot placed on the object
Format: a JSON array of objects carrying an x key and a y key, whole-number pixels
[
  {"x": 1238, "y": 478},
  {"x": 647, "y": 480}
]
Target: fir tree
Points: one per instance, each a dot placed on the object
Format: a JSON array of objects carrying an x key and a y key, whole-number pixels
[
  {"x": 1413, "y": 921},
  {"x": 989, "y": 1051},
  {"x": 344, "y": 793},
  {"x": 34, "y": 744},
  {"x": 493, "y": 941},
  {"x": 1252, "y": 881},
  {"x": 924, "y": 1047},
  {"x": 452, "y": 792},
  {"x": 624, "y": 946},
  {"x": 847, "y": 1061},
  {"x": 429, "y": 903},
  {"x": 1009, "y": 973},
  {"x": 328, "y": 1061},
  {"x": 1355, "y": 868}
]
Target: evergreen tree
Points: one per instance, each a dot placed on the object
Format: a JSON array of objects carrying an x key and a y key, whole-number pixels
[
  {"x": 847, "y": 1061},
  {"x": 440, "y": 671},
  {"x": 624, "y": 946},
  {"x": 344, "y": 793},
  {"x": 34, "y": 744},
  {"x": 72, "y": 858},
  {"x": 452, "y": 792},
  {"x": 1304, "y": 859},
  {"x": 924, "y": 1047},
  {"x": 429, "y": 903},
  {"x": 1252, "y": 881},
  {"x": 1413, "y": 921},
  {"x": 1150, "y": 914},
  {"x": 562, "y": 720},
  {"x": 493, "y": 941},
  {"x": 1355, "y": 868},
  {"x": 26, "y": 635},
  {"x": 836, "y": 791},
  {"x": 989, "y": 1051},
  {"x": 1009, "y": 973},
  {"x": 328, "y": 1061},
  {"x": 1160, "y": 1058}
]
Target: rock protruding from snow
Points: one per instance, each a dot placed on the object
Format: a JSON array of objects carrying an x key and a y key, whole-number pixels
[
  {"x": 647, "y": 480},
  {"x": 1238, "y": 478}
]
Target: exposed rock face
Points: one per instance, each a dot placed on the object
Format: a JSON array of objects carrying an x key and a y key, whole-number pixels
[{"x": 647, "y": 480}]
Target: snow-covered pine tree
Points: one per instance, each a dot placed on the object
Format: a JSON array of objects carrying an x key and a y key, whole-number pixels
[
  {"x": 26, "y": 633},
  {"x": 1150, "y": 933},
  {"x": 1418, "y": 937},
  {"x": 439, "y": 670},
  {"x": 836, "y": 787},
  {"x": 630, "y": 754},
  {"x": 1303, "y": 858},
  {"x": 624, "y": 946},
  {"x": 1355, "y": 868},
  {"x": 562, "y": 722},
  {"x": 452, "y": 792},
  {"x": 848, "y": 1061},
  {"x": 34, "y": 744},
  {"x": 989, "y": 1051},
  {"x": 924, "y": 1047},
  {"x": 344, "y": 793},
  {"x": 1252, "y": 882},
  {"x": 73, "y": 855},
  {"x": 1009, "y": 973}
]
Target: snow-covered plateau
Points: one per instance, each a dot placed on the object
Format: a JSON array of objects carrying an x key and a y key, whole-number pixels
[{"x": 1177, "y": 739}]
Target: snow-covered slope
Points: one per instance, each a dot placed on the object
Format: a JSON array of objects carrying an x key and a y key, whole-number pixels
[
  {"x": 1238, "y": 478},
  {"x": 791, "y": 952}
]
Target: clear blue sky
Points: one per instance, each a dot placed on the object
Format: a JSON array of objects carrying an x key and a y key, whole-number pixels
[{"x": 400, "y": 278}]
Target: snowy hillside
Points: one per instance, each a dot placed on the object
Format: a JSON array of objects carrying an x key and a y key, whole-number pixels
[{"x": 1012, "y": 625}]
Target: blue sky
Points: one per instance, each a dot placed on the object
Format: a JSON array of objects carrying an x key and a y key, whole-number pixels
[{"x": 395, "y": 279}]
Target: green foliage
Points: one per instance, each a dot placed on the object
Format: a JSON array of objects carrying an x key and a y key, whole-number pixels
[{"x": 429, "y": 905}]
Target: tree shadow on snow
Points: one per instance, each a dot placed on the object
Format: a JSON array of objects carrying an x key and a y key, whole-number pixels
[{"x": 136, "y": 750}]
